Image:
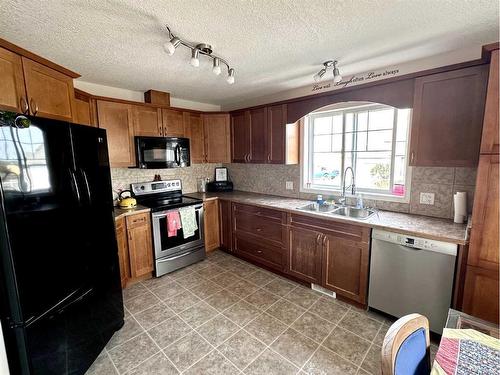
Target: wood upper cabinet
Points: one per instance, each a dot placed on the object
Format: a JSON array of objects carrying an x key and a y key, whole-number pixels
[
  {"x": 123, "y": 258},
  {"x": 489, "y": 142},
  {"x": 276, "y": 133},
  {"x": 225, "y": 225},
  {"x": 481, "y": 293},
  {"x": 240, "y": 137},
  {"x": 85, "y": 109},
  {"x": 12, "y": 91},
  {"x": 116, "y": 118},
  {"x": 140, "y": 244},
  {"x": 217, "y": 134},
  {"x": 211, "y": 224},
  {"x": 50, "y": 93},
  {"x": 304, "y": 254},
  {"x": 194, "y": 131},
  {"x": 447, "y": 118},
  {"x": 484, "y": 242},
  {"x": 173, "y": 123},
  {"x": 345, "y": 267},
  {"x": 258, "y": 135},
  {"x": 147, "y": 121}
]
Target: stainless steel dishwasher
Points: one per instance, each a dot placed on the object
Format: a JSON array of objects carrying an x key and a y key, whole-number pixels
[{"x": 410, "y": 274}]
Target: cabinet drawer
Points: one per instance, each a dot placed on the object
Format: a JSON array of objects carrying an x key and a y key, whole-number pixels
[
  {"x": 261, "y": 212},
  {"x": 254, "y": 249},
  {"x": 343, "y": 230},
  {"x": 262, "y": 226},
  {"x": 137, "y": 220}
]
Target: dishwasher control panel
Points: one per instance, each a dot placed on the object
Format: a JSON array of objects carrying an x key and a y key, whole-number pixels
[{"x": 416, "y": 242}]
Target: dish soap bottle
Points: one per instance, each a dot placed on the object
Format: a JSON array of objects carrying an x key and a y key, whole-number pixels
[
  {"x": 319, "y": 199},
  {"x": 359, "y": 201}
]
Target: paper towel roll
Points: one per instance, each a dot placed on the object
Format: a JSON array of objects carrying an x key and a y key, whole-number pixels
[{"x": 460, "y": 205}]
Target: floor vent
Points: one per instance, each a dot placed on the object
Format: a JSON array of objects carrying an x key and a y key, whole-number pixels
[{"x": 324, "y": 291}]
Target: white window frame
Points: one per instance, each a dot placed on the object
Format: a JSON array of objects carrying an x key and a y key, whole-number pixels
[{"x": 306, "y": 160}]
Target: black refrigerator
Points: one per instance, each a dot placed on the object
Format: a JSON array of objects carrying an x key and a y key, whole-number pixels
[{"x": 61, "y": 298}]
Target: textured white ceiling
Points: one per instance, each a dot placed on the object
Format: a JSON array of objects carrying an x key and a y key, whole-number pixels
[{"x": 274, "y": 45}]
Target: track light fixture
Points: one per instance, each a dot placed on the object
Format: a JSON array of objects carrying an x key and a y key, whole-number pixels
[
  {"x": 197, "y": 50},
  {"x": 327, "y": 65}
]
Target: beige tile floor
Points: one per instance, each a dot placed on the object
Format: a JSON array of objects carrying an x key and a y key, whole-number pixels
[{"x": 226, "y": 316}]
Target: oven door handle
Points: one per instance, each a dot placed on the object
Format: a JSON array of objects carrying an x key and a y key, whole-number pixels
[
  {"x": 159, "y": 215},
  {"x": 177, "y": 256}
]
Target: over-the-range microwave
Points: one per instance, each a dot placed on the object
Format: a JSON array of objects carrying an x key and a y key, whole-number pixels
[{"x": 162, "y": 152}]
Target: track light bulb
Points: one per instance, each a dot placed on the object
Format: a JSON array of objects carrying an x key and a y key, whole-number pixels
[
  {"x": 171, "y": 45},
  {"x": 194, "y": 58},
  {"x": 336, "y": 73},
  {"x": 317, "y": 77},
  {"x": 230, "y": 76},
  {"x": 216, "y": 67}
]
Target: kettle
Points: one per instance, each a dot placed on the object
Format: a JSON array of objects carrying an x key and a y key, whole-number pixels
[{"x": 126, "y": 202}]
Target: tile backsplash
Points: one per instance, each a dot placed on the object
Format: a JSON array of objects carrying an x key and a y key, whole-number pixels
[
  {"x": 443, "y": 182},
  {"x": 121, "y": 178}
]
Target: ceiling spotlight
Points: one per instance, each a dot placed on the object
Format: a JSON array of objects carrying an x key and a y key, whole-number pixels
[
  {"x": 198, "y": 49},
  {"x": 317, "y": 77},
  {"x": 327, "y": 65},
  {"x": 194, "y": 58},
  {"x": 230, "y": 76},
  {"x": 171, "y": 45},
  {"x": 216, "y": 67},
  {"x": 336, "y": 73}
]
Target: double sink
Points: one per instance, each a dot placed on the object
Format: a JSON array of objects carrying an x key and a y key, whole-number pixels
[{"x": 332, "y": 209}]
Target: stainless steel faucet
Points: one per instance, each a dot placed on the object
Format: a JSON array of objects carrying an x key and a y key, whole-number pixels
[{"x": 352, "y": 186}]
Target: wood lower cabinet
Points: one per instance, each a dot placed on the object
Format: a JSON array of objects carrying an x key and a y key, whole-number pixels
[
  {"x": 217, "y": 136},
  {"x": 225, "y": 225},
  {"x": 140, "y": 245},
  {"x": 481, "y": 293},
  {"x": 447, "y": 118},
  {"x": 211, "y": 224},
  {"x": 345, "y": 267},
  {"x": 304, "y": 254},
  {"x": 147, "y": 121},
  {"x": 123, "y": 258},
  {"x": 117, "y": 119},
  {"x": 12, "y": 90}
]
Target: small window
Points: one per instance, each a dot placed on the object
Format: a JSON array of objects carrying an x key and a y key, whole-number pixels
[{"x": 371, "y": 139}]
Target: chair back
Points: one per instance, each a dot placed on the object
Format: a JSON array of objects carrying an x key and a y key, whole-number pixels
[{"x": 406, "y": 350}]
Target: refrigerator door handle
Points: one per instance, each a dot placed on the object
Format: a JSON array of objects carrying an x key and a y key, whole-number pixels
[
  {"x": 75, "y": 186},
  {"x": 87, "y": 186}
]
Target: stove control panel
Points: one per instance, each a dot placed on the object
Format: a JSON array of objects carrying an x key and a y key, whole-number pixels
[{"x": 154, "y": 187}]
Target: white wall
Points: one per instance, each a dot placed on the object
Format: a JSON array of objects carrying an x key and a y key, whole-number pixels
[
  {"x": 138, "y": 96},
  {"x": 4, "y": 368}
]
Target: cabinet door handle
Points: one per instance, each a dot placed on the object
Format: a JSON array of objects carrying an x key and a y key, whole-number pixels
[
  {"x": 324, "y": 240},
  {"x": 318, "y": 239},
  {"x": 259, "y": 251},
  {"x": 259, "y": 229},
  {"x": 268, "y": 158},
  {"x": 34, "y": 107},
  {"x": 412, "y": 157},
  {"x": 24, "y": 105}
]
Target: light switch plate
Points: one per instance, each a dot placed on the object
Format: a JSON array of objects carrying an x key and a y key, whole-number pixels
[
  {"x": 427, "y": 198},
  {"x": 289, "y": 185}
]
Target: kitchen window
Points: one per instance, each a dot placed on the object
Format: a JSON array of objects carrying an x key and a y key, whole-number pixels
[{"x": 370, "y": 138}]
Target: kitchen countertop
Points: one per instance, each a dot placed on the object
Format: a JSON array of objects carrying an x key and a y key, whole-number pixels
[
  {"x": 122, "y": 212},
  {"x": 416, "y": 225}
]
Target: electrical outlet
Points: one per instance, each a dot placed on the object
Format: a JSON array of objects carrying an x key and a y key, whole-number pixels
[
  {"x": 427, "y": 198},
  {"x": 289, "y": 185}
]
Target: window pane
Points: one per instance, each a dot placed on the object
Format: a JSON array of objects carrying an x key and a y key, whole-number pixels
[
  {"x": 337, "y": 124},
  {"x": 348, "y": 141},
  {"x": 322, "y": 143},
  {"x": 337, "y": 142},
  {"x": 381, "y": 119},
  {"x": 322, "y": 125},
  {"x": 400, "y": 148},
  {"x": 361, "y": 141},
  {"x": 326, "y": 169},
  {"x": 373, "y": 170},
  {"x": 380, "y": 140},
  {"x": 349, "y": 122},
  {"x": 403, "y": 123},
  {"x": 362, "y": 121}
]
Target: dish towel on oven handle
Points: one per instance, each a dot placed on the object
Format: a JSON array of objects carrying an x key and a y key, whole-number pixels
[
  {"x": 188, "y": 220},
  {"x": 173, "y": 223}
]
